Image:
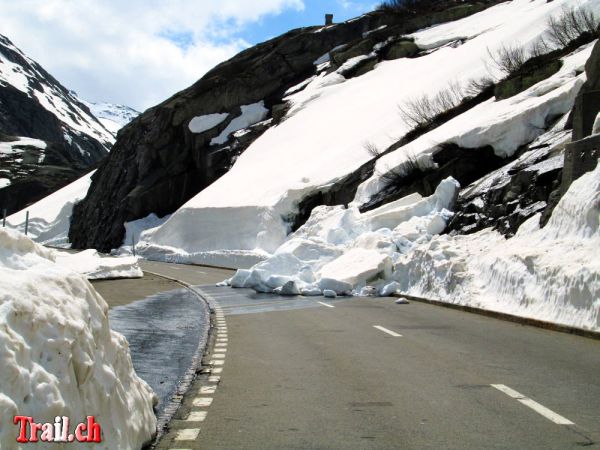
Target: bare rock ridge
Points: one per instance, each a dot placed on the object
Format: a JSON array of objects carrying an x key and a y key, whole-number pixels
[
  {"x": 158, "y": 162},
  {"x": 33, "y": 104}
]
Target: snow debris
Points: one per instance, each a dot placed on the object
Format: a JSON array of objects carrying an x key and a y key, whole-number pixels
[
  {"x": 4, "y": 182},
  {"x": 328, "y": 293},
  {"x": 59, "y": 355},
  {"x": 341, "y": 250}
]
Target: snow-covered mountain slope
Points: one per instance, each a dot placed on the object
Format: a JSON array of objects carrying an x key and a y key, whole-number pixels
[
  {"x": 176, "y": 149},
  {"x": 59, "y": 355},
  {"x": 323, "y": 136},
  {"x": 35, "y": 106},
  {"x": 113, "y": 117},
  {"x": 49, "y": 218}
]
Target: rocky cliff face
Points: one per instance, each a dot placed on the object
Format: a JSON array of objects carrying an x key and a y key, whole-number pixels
[
  {"x": 34, "y": 105},
  {"x": 176, "y": 149}
]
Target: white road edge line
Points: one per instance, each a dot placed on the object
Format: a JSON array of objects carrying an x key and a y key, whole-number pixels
[
  {"x": 385, "y": 330},
  {"x": 196, "y": 416},
  {"x": 326, "y": 304},
  {"x": 540, "y": 409},
  {"x": 187, "y": 434}
]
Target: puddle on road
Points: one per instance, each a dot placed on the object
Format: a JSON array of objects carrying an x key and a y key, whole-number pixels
[{"x": 164, "y": 332}]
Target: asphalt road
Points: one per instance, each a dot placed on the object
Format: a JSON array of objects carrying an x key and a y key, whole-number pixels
[{"x": 317, "y": 376}]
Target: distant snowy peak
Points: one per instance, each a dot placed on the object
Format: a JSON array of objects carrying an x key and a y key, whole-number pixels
[
  {"x": 113, "y": 117},
  {"x": 25, "y": 75}
]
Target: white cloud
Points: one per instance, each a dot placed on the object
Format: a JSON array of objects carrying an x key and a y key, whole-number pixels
[{"x": 137, "y": 52}]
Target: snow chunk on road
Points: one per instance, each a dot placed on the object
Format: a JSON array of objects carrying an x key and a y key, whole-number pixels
[
  {"x": 96, "y": 267},
  {"x": 59, "y": 355},
  {"x": 357, "y": 266},
  {"x": 200, "y": 124}
]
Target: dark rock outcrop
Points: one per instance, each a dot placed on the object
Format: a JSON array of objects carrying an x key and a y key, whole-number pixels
[
  {"x": 507, "y": 197},
  {"x": 463, "y": 164},
  {"x": 157, "y": 163}
]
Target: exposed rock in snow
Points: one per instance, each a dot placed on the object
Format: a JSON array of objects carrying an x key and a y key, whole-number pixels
[
  {"x": 550, "y": 274},
  {"x": 507, "y": 197},
  {"x": 59, "y": 356}
]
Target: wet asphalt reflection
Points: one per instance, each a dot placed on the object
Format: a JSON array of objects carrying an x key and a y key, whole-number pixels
[{"x": 164, "y": 331}]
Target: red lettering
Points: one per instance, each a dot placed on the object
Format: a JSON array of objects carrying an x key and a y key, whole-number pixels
[
  {"x": 35, "y": 428},
  {"x": 79, "y": 432},
  {"x": 94, "y": 431},
  {"x": 24, "y": 420}
]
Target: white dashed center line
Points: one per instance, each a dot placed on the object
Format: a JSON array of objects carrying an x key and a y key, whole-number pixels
[
  {"x": 326, "y": 304},
  {"x": 540, "y": 409},
  {"x": 385, "y": 330}
]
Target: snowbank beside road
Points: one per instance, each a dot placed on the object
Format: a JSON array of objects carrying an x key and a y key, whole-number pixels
[
  {"x": 550, "y": 274},
  {"x": 59, "y": 356},
  {"x": 96, "y": 267}
]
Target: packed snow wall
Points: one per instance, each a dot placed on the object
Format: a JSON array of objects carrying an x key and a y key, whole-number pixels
[{"x": 59, "y": 355}]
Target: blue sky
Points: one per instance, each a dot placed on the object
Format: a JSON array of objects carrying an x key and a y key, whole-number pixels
[
  {"x": 313, "y": 14},
  {"x": 140, "y": 52}
]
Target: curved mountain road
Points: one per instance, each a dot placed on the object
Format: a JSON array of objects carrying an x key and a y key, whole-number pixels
[{"x": 367, "y": 373}]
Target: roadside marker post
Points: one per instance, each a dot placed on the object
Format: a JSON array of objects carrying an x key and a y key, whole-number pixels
[
  {"x": 26, "y": 222},
  {"x": 133, "y": 244},
  {"x": 4, "y": 218}
]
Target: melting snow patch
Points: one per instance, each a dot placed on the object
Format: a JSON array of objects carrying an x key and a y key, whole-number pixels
[
  {"x": 250, "y": 115},
  {"x": 200, "y": 124}
]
